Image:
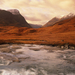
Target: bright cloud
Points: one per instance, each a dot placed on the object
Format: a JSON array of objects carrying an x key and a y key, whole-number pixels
[{"x": 40, "y": 11}]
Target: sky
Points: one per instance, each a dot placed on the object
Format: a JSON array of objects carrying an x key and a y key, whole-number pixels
[{"x": 40, "y": 11}]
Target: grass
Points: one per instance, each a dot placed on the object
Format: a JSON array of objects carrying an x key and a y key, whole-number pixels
[{"x": 47, "y": 36}]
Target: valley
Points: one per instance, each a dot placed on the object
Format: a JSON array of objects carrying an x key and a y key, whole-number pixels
[{"x": 28, "y": 49}]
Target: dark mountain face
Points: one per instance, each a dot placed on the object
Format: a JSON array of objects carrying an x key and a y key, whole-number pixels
[{"x": 9, "y": 19}]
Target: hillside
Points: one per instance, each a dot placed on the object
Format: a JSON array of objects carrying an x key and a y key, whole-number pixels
[
  {"x": 51, "y": 22},
  {"x": 9, "y": 19},
  {"x": 56, "y": 19},
  {"x": 62, "y": 32}
]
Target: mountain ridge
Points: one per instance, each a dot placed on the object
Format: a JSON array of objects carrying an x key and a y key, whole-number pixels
[
  {"x": 14, "y": 11},
  {"x": 7, "y": 18},
  {"x": 61, "y": 33},
  {"x": 56, "y": 19}
]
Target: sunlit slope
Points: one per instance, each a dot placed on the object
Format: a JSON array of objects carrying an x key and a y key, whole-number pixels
[{"x": 61, "y": 33}]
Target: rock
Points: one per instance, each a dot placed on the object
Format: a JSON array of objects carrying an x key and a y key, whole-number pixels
[
  {"x": 4, "y": 61},
  {"x": 71, "y": 47},
  {"x": 35, "y": 49},
  {"x": 64, "y": 57},
  {"x": 62, "y": 47},
  {"x": 15, "y": 47},
  {"x": 28, "y": 45},
  {"x": 72, "y": 59},
  {"x": 4, "y": 45},
  {"x": 66, "y": 46},
  {"x": 5, "y": 57},
  {"x": 15, "y": 59},
  {"x": 7, "y": 50},
  {"x": 20, "y": 52}
]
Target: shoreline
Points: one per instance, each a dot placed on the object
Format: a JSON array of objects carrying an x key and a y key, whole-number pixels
[{"x": 39, "y": 42}]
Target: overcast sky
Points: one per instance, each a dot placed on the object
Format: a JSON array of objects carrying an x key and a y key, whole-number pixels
[{"x": 40, "y": 11}]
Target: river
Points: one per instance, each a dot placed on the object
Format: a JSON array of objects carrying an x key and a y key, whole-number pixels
[{"x": 32, "y": 59}]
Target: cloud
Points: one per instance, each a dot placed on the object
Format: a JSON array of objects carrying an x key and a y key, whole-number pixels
[
  {"x": 40, "y": 11},
  {"x": 32, "y": 18}
]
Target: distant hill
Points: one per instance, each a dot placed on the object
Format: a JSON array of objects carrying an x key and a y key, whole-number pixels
[
  {"x": 51, "y": 22},
  {"x": 62, "y": 26},
  {"x": 10, "y": 18},
  {"x": 35, "y": 26},
  {"x": 55, "y": 20}
]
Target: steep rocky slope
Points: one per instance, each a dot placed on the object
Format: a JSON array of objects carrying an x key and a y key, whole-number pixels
[{"x": 9, "y": 19}]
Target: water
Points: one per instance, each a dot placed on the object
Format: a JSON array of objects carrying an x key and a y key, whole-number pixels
[{"x": 33, "y": 59}]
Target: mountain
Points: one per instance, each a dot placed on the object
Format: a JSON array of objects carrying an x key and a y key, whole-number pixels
[
  {"x": 60, "y": 33},
  {"x": 35, "y": 26},
  {"x": 12, "y": 19},
  {"x": 67, "y": 25},
  {"x": 14, "y": 11},
  {"x": 51, "y": 22},
  {"x": 70, "y": 15},
  {"x": 55, "y": 19}
]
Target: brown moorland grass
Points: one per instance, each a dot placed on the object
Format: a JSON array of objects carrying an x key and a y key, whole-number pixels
[{"x": 61, "y": 33}]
